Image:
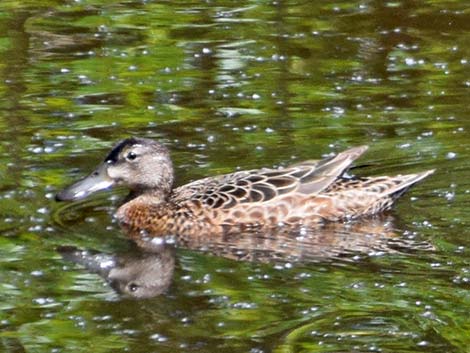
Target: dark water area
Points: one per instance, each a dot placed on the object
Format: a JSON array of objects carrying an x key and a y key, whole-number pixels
[{"x": 230, "y": 85}]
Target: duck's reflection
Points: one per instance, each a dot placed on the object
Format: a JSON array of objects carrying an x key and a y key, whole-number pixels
[
  {"x": 147, "y": 273},
  {"x": 329, "y": 242},
  {"x": 135, "y": 274}
]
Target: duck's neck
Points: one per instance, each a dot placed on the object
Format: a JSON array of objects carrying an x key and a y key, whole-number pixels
[{"x": 155, "y": 195}]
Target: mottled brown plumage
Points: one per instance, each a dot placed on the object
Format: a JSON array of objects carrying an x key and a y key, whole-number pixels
[{"x": 303, "y": 194}]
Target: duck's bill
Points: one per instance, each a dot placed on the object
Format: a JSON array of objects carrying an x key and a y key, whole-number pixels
[{"x": 96, "y": 181}]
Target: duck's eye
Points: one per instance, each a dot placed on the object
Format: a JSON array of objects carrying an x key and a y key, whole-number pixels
[
  {"x": 131, "y": 156},
  {"x": 133, "y": 287}
]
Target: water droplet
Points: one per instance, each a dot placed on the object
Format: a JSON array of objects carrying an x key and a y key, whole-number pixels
[{"x": 451, "y": 155}]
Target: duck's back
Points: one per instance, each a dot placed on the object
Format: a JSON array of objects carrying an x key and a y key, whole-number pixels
[{"x": 262, "y": 186}]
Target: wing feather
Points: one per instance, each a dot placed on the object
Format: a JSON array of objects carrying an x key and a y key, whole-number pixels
[{"x": 262, "y": 185}]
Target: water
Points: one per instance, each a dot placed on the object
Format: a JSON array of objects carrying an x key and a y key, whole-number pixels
[{"x": 229, "y": 85}]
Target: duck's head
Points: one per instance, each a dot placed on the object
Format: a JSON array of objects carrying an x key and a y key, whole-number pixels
[{"x": 142, "y": 165}]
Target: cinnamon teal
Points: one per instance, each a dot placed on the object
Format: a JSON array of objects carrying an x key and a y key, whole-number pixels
[{"x": 304, "y": 194}]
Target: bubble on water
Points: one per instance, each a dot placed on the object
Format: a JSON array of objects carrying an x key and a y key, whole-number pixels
[
  {"x": 427, "y": 224},
  {"x": 43, "y": 301},
  {"x": 158, "y": 337},
  {"x": 244, "y": 305},
  {"x": 185, "y": 320},
  {"x": 451, "y": 155},
  {"x": 42, "y": 210},
  {"x": 107, "y": 264},
  {"x": 449, "y": 196},
  {"x": 37, "y": 150},
  {"x": 206, "y": 278}
]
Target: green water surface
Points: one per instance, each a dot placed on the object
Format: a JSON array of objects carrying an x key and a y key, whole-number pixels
[{"x": 232, "y": 85}]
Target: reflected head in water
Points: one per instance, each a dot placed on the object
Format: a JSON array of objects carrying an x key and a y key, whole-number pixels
[
  {"x": 301, "y": 195},
  {"x": 134, "y": 274}
]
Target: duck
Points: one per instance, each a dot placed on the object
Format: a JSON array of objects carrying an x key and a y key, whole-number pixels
[{"x": 305, "y": 194}]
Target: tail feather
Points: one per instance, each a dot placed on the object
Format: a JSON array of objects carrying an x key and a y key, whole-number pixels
[
  {"x": 404, "y": 182},
  {"x": 367, "y": 196}
]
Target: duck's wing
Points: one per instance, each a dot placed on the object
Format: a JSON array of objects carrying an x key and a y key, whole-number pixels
[{"x": 261, "y": 185}]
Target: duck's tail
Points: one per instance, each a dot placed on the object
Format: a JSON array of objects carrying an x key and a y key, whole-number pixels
[
  {"x": 403, "y": 183},
  {"x": 389, "y": 189}
]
